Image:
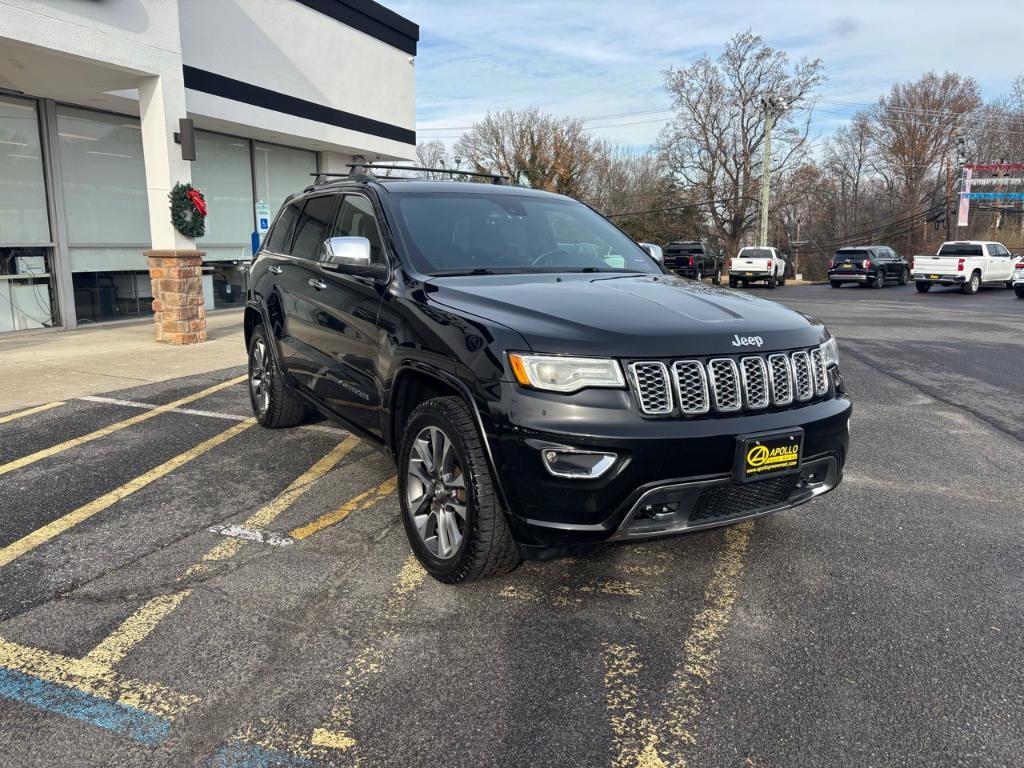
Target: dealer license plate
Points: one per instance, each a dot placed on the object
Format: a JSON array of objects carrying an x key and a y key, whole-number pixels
[
  {"x": 847, "y": 266},
  {"x": 934, "y": 277},
  {"x": 748, "y": 274},
  {"x": 760, "y": 456}
]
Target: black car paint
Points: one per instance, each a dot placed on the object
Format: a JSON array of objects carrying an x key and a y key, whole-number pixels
[
  {"x": 692, "y": 258},
  {"x": 890, "y": 264},
  {"x": 348, "y": 351}
]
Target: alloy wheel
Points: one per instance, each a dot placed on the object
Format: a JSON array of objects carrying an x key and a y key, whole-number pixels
[
  {"x": 436, "y": 492},
  {"x": 259, "y": 375}
]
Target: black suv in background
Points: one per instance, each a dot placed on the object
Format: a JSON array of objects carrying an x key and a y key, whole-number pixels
[
  {"x": 694, "y": 259},
  {"x": 871, "y": 265},
  {"x": 540, "y": 383}
]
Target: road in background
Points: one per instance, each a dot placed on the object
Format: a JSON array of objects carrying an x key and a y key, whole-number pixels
[{"x": 878, "y": 626}]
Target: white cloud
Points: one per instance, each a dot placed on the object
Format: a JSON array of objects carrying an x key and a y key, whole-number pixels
[{"x": 585, "y": 57}]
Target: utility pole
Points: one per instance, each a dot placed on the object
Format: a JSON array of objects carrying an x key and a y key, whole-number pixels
[
  {"x": 949, "y": 200},
  {"x": 772, "y": 110}
]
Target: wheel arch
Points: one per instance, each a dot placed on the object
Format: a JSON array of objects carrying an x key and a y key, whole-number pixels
[{"x": 415, "y": 382}]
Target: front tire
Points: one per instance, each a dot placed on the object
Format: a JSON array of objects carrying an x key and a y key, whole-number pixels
[
  {"x": 972, "y": 285},
  {"x": 453, "y": 519},
  {"x": 922, "y": 286},
  {"x": 274, "y": 405}
]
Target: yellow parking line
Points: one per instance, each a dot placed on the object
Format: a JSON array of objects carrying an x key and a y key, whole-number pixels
[
  {"x": 336, "y": 734},
  {"x": 677, "y": 729},
  {"x": 104, "y": 431},
  {"x": 29, "y": 412},
  {"x": 135, "y": 629},
  {"x": 634, "y": 743},
  {"x": 364, "y": 500},
  {"x": 58, "y": 526},
  {"x": 95, "y": 679},
  {"x": 141, "y": 624}
]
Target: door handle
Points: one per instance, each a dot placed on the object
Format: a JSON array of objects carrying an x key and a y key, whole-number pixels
[
  {"x": 275, "y": 269},
  {"x": 318, "y": 284}
]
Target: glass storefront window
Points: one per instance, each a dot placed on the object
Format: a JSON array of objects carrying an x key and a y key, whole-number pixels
[
  {"x": 23, "y": 216},
  {"x": 281, "y": 171},
  {"x": 222, "y": 171},
  {"x": 26, "y": 298}
]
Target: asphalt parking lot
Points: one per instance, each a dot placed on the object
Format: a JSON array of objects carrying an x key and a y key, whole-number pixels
[{"x": 879, "y": 626}]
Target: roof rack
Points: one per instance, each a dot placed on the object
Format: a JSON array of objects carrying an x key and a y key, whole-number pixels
[{"x": 366, "y": 171}]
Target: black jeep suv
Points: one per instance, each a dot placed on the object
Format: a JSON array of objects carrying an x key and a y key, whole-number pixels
[
  {"x": 540, "y": 382},
  {"x": 871, "y": 265},
  {"x": 695, "y": 259}
]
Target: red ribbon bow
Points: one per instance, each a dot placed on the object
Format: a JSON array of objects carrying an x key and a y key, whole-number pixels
[{"x": 197, "y": 200}]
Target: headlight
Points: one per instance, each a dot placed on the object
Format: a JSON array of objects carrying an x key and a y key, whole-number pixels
[
  {"x": 565, "y": 374},
  {"x": 830, "y": 352}
]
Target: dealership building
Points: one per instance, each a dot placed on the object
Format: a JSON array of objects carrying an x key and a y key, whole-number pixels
[{"x": 91, "y": 95}]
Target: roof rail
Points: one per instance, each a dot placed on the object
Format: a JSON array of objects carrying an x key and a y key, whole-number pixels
[{"x": 369, "y": 168}]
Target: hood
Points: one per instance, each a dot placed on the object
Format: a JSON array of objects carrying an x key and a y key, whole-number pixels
[{"x": 631, "y": 316}]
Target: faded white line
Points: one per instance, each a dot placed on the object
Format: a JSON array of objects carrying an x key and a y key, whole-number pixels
[
  {"x": 259, "y": 535},
  {"x": 195, "y": 412}
]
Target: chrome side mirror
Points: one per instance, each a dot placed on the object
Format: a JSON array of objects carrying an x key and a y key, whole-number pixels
[
  {"x": 654, "y": 251},
  {"x": 350, "y": 256}
]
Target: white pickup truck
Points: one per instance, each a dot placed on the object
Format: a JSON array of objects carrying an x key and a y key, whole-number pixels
[
  {"x": 1018, "y": 277},
  {"x": 755, "y": 263},
  {"x": 968, "y": 264}
]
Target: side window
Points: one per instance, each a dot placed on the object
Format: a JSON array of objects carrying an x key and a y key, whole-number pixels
[
  {"x": 357, "y": 219},
  {"x": 311, "y": 231},
  {"x": 281, "y": 235}
]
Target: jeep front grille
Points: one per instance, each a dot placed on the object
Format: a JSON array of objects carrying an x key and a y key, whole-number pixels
[
  {"x": 651, "y": 382},
  {"x": 727, "y": 385}
]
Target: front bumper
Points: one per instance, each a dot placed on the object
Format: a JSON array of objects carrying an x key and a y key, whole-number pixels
[
  {"x": 937, "y": 279},
  {"x": 682, "y": 467}
]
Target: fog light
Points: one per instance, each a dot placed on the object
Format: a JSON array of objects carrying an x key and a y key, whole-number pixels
[{"x": 580, "y": 465}]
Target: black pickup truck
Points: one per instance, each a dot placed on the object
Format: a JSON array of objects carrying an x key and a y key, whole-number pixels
[
  {"x": 541, "y": 384},
  {"x": 695, "y": 259}
]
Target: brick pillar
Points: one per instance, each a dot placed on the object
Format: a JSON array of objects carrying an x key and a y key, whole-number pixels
[{"x": 179, "y": 313}]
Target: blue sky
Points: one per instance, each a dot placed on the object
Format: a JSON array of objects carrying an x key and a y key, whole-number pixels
[{"x": 588, "y": 58}]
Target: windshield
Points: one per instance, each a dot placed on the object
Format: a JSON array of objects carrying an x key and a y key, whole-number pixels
[
  {"x": 466, "y": 233},
  {"x": 960, "y": 249},
  {"x": 755, "y": 253}
]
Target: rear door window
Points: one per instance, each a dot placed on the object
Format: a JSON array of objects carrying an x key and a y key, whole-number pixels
[
  {"x": 311, "y": 231},
  {"x": 281, "y": 235}
]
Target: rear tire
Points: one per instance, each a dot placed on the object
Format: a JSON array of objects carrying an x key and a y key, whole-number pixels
[
  {"x": 733, "y": 282},
  {"x": 835, "y": 283},
  {"x": 273, "y": 403},
  {"x": 972, "y": 285},
  {"x": 447, "y": 493},
  {"x": 879, "y": 280},
  {"x": 1019, "y": 290},
  {"x": 771, "y": 282},
  {"x": 922, "y": 287},
  {"x": 716, "y": 279}
]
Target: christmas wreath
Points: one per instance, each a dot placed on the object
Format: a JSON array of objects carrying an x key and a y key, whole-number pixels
[{"x": 188, "y": 210}]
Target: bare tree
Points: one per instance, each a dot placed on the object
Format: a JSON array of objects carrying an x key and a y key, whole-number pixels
[
  {"x": 715, "y": 143},
  {"x": 533, "y": 148},
  {"x": 433, "y": 154},
  {"x": 915, "y": 128}
]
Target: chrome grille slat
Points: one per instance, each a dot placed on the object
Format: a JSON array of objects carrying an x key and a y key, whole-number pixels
[
  {"x": 691, "y": 384},
  {"x": 728, "y": 385},
  {"x": 803, "y": 383},
  {"x": 724, "y": 378},
  {"x": 754, "y": 376},
  {"x": 650, "y": 379},
  {"x": 781, "y": 378},
  {"x": 818, "y": 369}
]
